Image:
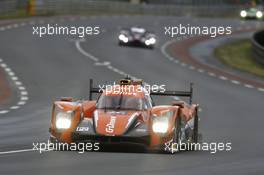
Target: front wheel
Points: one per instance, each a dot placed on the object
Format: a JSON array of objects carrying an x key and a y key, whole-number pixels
[
  {"x": 196, "y": 125},
  {"x": 177, "y": 134}
]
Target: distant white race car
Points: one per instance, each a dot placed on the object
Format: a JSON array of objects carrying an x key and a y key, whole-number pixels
[{"x": 252, "y": 13}]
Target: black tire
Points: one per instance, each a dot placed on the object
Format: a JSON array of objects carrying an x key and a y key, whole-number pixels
[
  {"x": 151, "y": 47},
  {"x": 54, "y": 141},
  {"x": 196, "y": 126},
  {"x": 177, "y": 135},
  {"x": 177, "y": 130},
  {"x": 175, "y": 140}
]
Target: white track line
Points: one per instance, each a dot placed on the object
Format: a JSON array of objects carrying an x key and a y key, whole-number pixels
[
  {"x": 249, "y": 86},
  {"x": 4, "y": 111},
  {"x": 14, "y": 107},
  {"x": 107, "y": 64},
  {"x": 191, "y": 67},
  {"x": 201, "y": 70},
  {"x": 11, "y": 74},
  {"x": 77, "y": 44},
  {"x": 223, "y": 78},
  {"x": 261, "y": 89},
  {"x": 235, "y": 82},
  {"x": 25, "y": 150},
  {"x": 211, "y": 74},
  {"x": 16, "y": 151},
  {"x": 23, "y": 97}
]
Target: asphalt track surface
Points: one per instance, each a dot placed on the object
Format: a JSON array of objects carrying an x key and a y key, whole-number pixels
[{"x": 55, "y": 66}]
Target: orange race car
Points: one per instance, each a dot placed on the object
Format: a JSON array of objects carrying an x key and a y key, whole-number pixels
[{"x": 125, "y": 117}]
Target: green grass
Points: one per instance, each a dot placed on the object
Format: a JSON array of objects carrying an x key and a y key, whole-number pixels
[
  {"x": 238, "y": 55},
  {"x": 19, "y": 13}
]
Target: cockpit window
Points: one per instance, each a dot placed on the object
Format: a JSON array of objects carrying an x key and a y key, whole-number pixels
[
  {"x": 120, "y": 102},
  {"x": 138, "y": 30}
]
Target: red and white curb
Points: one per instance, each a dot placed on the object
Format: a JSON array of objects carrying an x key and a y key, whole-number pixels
[{"x": 202, "y": 71}]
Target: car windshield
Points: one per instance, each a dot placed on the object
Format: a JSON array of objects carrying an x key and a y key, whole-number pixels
[
  {"x": 120, "y": 102},
  {"x": 138, "y": 30},
  {"x": 252, "y": 9}
]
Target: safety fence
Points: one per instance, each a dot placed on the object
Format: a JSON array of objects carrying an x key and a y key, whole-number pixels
[
  {"x": 61, "y": 7},
  {"x": 80, "y": 6}
]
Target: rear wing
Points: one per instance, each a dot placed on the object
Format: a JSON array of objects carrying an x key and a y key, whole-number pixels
[
  {"x": 176, "y": 93},
  {"x": 93, "y": 90},
  {"x": 96, "y": 90}
]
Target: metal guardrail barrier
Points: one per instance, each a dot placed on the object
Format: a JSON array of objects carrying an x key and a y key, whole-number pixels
[
  {"x": 83, "y": 7},
  {"x": 199, "y": 2},
  {"x": 7, "y": 6},
  {"x": 13, "y": 8},
  {"x": 258, "y": 46},
  {"x": 50, "y": 7}
]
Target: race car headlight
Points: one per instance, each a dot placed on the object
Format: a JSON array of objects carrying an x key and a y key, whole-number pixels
[
  {"x": 150, "y": 41},
  {"x": 160, "y": 125},
  {"x": 123, "y": 38},
  {"x": 259, "y": 14},
  {"x": 243, "y": 13},
  {"x": 63, "y": 120}
]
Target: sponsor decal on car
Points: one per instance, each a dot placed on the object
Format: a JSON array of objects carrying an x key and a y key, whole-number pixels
[
  {"x": 82, "y": 129},
  {"x": 110, "y": 126}
]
